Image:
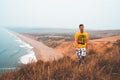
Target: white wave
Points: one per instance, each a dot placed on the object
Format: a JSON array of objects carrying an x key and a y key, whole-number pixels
[
  {"x": 29, "y": 46},
  {"x": 10, "y": 32},
  {"x": 26, "y": 45},
  {"x": 18, "y": 40},
  {"x": 30, "y": 57},
  {"x": 22, "y": 46},
  {"x": 8, "y": 68}
]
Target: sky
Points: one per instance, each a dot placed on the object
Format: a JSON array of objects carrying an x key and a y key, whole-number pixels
[{"x": 94, "y": 14}]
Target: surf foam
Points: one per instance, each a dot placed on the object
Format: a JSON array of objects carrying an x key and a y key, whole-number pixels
[{"x": 30, "y": 56}]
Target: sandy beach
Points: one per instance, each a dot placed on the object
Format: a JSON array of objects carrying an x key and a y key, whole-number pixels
[{"x": 42, "y": 52}]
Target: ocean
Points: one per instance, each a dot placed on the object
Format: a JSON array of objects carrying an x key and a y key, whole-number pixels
[{"x": 13, "y": 51}]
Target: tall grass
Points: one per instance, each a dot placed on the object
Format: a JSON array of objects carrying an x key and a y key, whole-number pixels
[{"x": 105, "y": 66}]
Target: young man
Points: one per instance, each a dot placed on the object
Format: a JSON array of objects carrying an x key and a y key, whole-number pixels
[{"x": 81, "y": 39}]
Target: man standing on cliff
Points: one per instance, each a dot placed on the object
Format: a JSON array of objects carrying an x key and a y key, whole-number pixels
[{"x": 81, "y": 44}]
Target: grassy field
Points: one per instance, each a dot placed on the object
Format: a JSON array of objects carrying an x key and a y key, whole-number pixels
[
  {"x": 105, "y": 66},
  {"x": 98, "y": 66}
]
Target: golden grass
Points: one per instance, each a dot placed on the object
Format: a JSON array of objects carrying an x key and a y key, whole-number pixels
[{"x": 104, "y": 66}]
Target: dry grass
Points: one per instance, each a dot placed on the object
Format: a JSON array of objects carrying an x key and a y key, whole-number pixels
[{"x": 97, "y": 67}]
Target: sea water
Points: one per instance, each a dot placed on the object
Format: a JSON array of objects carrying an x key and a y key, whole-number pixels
[{"x": 13, "y": 51}]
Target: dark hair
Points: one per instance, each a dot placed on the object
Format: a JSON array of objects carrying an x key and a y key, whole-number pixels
[{"x": 81, "y": 25}]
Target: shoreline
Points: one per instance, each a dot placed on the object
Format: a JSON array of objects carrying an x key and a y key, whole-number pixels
[
  {"x": 42, "y": 52},
  {"x": 30, "y": 55}
]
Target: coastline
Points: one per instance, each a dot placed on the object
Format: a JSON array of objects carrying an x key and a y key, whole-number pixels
[
  {"x": 42, "y": 52},
  {"x": 30, "y": 55}
]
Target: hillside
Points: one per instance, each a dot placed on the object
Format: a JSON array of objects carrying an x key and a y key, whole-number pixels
[{"x": 101, "y": 64}]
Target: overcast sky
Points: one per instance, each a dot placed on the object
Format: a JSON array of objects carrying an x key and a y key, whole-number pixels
[{"x": 94, "y": 14}]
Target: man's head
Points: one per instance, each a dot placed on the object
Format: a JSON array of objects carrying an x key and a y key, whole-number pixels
[{"x": 81, "y": 27}]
